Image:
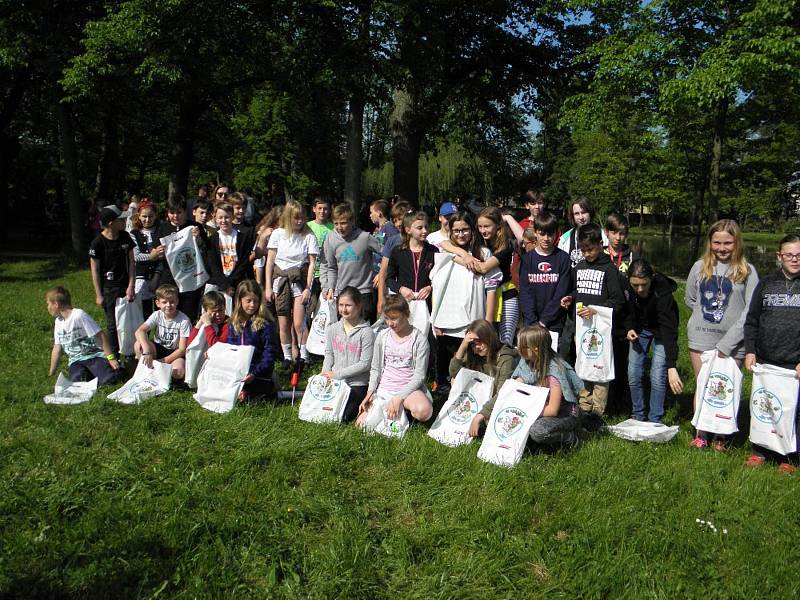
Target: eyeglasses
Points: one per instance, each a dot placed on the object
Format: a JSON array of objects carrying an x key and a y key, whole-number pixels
[
  {"x": 788, "y": 257},
  {"x": 461, "y": 231}
]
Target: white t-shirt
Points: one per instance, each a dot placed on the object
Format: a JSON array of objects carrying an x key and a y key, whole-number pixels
[
  {"x": 227, "y": 251},
  {"x": 292, "y": 250},
  {"x": 75, "y": 335},
  {"x": 436, "y": 238},
  {"x": 168, "y": 332}
]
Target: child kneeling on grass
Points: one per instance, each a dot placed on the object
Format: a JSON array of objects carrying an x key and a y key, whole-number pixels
[
  {"x": 348, "y": 350},
  {"x": 172, "y": 329},
  {"x": 772, "y": 331},
  {"x": 399, "y": 364},
  {"x": 541, "y": 366},
  {"x": 81, "y": 338},
  {"x": 252, "y": 325}
]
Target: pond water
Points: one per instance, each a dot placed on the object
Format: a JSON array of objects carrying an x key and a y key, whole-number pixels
[{"x": 674, "y": 256}]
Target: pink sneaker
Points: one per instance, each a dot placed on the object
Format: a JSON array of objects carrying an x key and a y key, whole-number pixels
[{"x": 699, "y": 443}]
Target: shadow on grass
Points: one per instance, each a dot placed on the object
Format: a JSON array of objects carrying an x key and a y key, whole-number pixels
[{"x": 24, "y": 270}]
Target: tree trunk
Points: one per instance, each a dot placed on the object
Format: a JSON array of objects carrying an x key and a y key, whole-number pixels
[
  {"x": 671, "y": 222},
  {"x": 189, "y": 113},
  {"x": 406, "y": 142},
  {"x": 354, "y": 160},
  {"x": 16, "y": 84},
  {"x": 716, "y": 160},
  {"x": 69, "y": 157},
  {"x": 108, "y": 165},
  {"x": 641, "y": 214}
]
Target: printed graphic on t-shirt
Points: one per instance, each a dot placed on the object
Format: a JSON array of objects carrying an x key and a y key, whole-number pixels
[
  {"x": 168, "y": 333},
  {"x": 590, "y": 281},
  {"x": 714, "y": 296},
  {"x": 349, "y": 255},
  {"x": 545, "y": 274}
]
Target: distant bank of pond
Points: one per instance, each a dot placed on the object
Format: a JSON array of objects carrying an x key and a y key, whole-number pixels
[{"x": 674, "y": 256}]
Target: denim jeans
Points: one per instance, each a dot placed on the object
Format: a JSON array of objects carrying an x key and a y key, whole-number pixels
[{"x": 658, "y": 376}]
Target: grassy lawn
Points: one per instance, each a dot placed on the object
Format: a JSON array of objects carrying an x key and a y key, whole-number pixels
[{"x": 165, "y": 499}]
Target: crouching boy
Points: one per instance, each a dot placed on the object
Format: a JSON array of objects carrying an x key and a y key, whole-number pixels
[
  {"x": 171, "y": 333},
  {"x": 77, "y": 334}
]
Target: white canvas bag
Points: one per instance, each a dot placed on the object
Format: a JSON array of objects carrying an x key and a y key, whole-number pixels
[
  {"x": 716, "y": 400},
  {"x": 420, "y": 316},
  {"x": 379, "y": 422},
  {"x": 470, "y": 392},
  {"x": 185, "y": 260},
  {"x": 220, "y": 379},
  {"x": 129, "y": 318},
  {"x": 324, "y": 400},
  {"x": 773, "y": 407},
  {"x": 455, "y": 303},
  {"x": 517, "y": 407},
  {"x": 326, "y": 314},
  {"x": 595, "y": 354},
  {"x": 643, "y": 431},
  {"x": 554, "y": 341},
  {"x": 67, "y": 392},
  {"x": 195, "y": 357},
  {"x": 145, "y": 383}
]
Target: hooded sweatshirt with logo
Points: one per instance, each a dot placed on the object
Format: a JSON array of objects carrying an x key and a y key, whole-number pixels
[
  {"x": 599, "y": 283},
  {"x": 348, "y": 261},
  {"x": 349, "y": 355},
  {"x": 543, "y": 281},
  {"x": 772, "y": 326}
]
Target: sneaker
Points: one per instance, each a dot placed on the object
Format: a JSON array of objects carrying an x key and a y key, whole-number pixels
[
  {"x": 755, "y": 460},
  {"x": 699, "y": 443},
  {"x": 787, "y": 468},
  {"x": 719, "y": 445}
]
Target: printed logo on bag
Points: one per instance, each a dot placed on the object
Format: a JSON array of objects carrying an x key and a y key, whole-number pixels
[
  {"x": 322, "y": 390},
  {"x": 319, "y": 323},
  {"x": 592, "y": 343},
  {"x": 463, "y": 409},
  {"x": 145, "y": 386},
  {"x": 766, "y": 407},
  {"x": 393, "y": 426},
  {"x": 719, "y": 390},
  {"x": 185, "y": 261},
  {"x": 509, "y": 422}
]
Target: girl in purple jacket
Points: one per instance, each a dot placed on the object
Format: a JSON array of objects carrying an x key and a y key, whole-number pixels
[{"x": 251, "y": 325}]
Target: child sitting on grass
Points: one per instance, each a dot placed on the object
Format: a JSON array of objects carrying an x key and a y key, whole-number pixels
[
  {"x": 213, "y": 318},
  {"x": 399, "y": 364},
  {"x": 348, "y": 350},
  {"x": 251, "y": 325},
  {"x": 77, "y": 334},
  {"x": 172, "y": 329}
]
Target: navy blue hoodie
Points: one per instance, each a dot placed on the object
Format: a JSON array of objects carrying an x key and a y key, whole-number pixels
[{"x": 543, "y": 281}]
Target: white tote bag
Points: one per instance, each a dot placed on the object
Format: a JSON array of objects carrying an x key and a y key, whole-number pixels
[
  {"x": 716, "y": 400},
  {"x": 326, "y": 314},
  {"x": 773, "y": 407},
  {"x": 595, "y": 353},
  {"x": 470, "y": 392},
  {"x": 129, "y": 318},
  {"x": 220, "y": 379},
  {"x": 379, "y": 422},
  {"x": 145, "y": 383},
  {"x": 185, "y": 260},
  {"x": 459, "y": 296},
  {"x": 643, "y": 431},
  {"x": 195, "y": 357},
  {"x": 67, "y": 392},
  {"x": 517, "y": 407},
  {"x": 554, "y": 341},
  {"x": 324, "y": 400},
  {"x": 420, "y": 316}
]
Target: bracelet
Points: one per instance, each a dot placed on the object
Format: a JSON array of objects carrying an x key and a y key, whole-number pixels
[
  {"x": 111, "y": 356},
  {"x": 145, "y": 354}
]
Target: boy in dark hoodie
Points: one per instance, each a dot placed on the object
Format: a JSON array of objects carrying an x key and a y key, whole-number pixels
[
  {"x": 652, "y": 322},
  {"x": 595, "y": 281}
]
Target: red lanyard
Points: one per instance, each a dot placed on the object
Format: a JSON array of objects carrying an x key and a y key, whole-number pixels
[{"x": 415, "y": 260}]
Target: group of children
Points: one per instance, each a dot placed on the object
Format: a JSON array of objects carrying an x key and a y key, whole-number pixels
[{"x": 553, "y": 279}]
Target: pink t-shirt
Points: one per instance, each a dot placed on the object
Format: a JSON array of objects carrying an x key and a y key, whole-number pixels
[{"x": 398, "y": 363}]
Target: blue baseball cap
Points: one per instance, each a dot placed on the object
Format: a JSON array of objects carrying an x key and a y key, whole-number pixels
[{"x": 447, "y": 209}]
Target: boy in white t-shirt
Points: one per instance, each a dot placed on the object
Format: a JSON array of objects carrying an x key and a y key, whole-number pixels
[
  {"x": 81, "y": 338},
  {"x": 172, "y": 329}
]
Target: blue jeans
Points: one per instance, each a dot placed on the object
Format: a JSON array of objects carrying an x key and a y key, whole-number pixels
[{"x": 658, "y": 376}]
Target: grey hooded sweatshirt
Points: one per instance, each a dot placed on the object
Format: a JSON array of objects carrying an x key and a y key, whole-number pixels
[
  {"x": 348, "y": 261},
  {"x": 349, "y": 356}
]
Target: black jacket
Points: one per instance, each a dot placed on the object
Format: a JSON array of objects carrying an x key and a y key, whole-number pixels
[
  {"x": 772, "y": 327},
  {"x": 657, "y": 313},
  {"x": 400, "y": 272},
  {"x": 245, "y": 241}
]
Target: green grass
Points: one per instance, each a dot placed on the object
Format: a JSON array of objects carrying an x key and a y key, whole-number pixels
[{"x": 165, "y": 499}]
